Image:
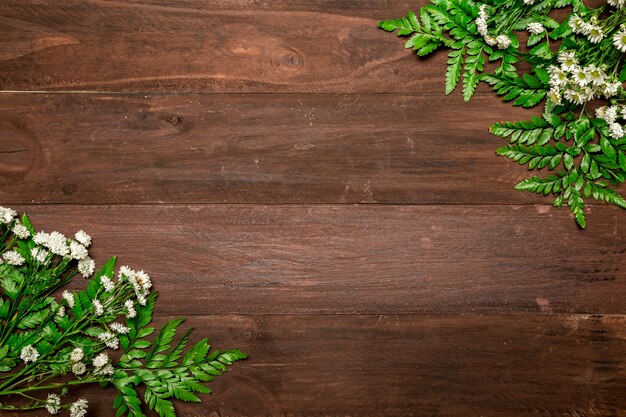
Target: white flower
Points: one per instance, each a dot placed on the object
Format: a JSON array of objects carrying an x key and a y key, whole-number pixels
[
  {"x": 29, "y": 354},
  {"x": 616, "y": 130},
  {"x": 53, "y": 404},
  {"x": 568, "y": 60},
  {"x": 558, "y": 77},
  {"x": 529, "y": 2},
  {"x": 77, "y": 355},
  {"x": 555, "y": 96},
  {"x": 130, "y": 309},
  {"x": 83, "y": 238},
  {"x": 20, "y": 231},
  {"x": 41, "y": 238},
  {"x": 69, "y": 298},
  {"x": 106, "y": 370},
  {"x": 610, "y": 89},
  {"x": 57, "y": 244},
  {"x": 577, "y": 24},
  {"x": 101, "y": 360},
  {"x": 13, "y": 258},
  {"x": 610, "y": 114},
  {"x": 78, "y": 251},
  {"x": 574, "y": 96},
  {"x": 97, "y": 306},
  {"x": 535, "y": 28},
  {"x": 107, "y": 283},
  {"x": 619, "y": 39},
  {"x": 79, "y": 408},
  {"x": 6, "y": 215},
  {"x": 596, "y": 75},
  {"x": 490, "y": 40},
  {"x": 78, "y": 368},
  {"x": 141, "y": 300},
  {"x": 119, "y": 328},
  {"x": 580, "y": 76},
  {"x": 40, "y": 254},
  {"x": 503, "y": 41},
  {"x": 596, "y": 34},
  {"x": 109, "y": 339},
  {"x": 86, "y": 267},
  {"x": 617, "y": 3},
  {"x": 61, "y": 312}
]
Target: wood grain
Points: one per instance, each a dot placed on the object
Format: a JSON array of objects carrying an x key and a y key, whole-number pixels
[
  {"x": 80, "y": 148},
  {"x": 212, "y": 46},
  {"x": 255, "y": 259},
  {"x": 386, "y": 365}
]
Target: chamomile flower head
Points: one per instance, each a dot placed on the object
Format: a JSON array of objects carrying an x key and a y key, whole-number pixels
[
  {"x": 610, "y": 89},
  {"x": 79, "y": 368},
  {"x": 79, "y": 408},
  {"x": 83, "y": 238},
  {"x": 77, "y": 355},
  {"x": 574, "y": 96},
  {"x": 555, "y": 95},
  {"x": 7, "y": 215},
  {"x": 86, "y": 267},
  {"x": 568, "y": 60},
  {"x": 535, "y": 28},
  {"x": 577, "y": 24},
  {"x": 13, "y": 258},
  {"x": 53, "y": 404},
  {"x": 580, "y": 76},
  {"x": 596, "y": 34},
  {"x": 619, "y": 39},
  {"x": 20, "y": 231},
  {"x": 595, "y": 74},
  {"x": 29, "y": 354},
  {"x": 558, "y": 77}
]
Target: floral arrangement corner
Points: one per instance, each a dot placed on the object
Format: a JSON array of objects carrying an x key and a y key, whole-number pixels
[
  {"x": 577, "y": 71},
  {"x": 50, "y": 344}
]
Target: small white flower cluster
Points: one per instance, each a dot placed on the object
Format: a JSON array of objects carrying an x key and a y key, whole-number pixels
[
  {"x": 110, "y": 340},
  {"x": 502, "y": 41},
  {"x": 610, "y": 115},
  {"x": 102, "y": 364},
  {"x": 578, "y": 84},
  {"x": 617, "y": 3},
  {"x": 79, "y": 408},
  {"x": 13, "y": 258},
  {"x": 535, "y": 28},
  {"x": 78, "y": 367},
  {"x": 590, "y": 29},
  {"x": 29, "y": 354},
  {"x": 619, "y": 39},
  {"x": 139, "y": 280},
  {"x": 53, "y": 404},
  {"x": 7, "y": 215},
  {"x": 60, "y": 245}
]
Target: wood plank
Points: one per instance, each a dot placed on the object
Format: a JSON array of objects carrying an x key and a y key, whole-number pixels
[
  {"x": 73, "y": 148},
  {"x": 380, "y": 365},
  {"x": 211, "y": 46},
  {"x": 253, "y": 259}
]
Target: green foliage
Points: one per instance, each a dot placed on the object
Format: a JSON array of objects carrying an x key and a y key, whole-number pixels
[
  {"x": 41, "y": 332},
  {"x": 581, "y": 150}
]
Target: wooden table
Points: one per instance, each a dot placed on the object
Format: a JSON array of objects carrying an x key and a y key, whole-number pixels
[{"x": 298, "y": 185}]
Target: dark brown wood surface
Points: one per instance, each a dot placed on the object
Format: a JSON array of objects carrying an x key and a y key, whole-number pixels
[{"x": 297, "y": 185}]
